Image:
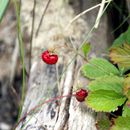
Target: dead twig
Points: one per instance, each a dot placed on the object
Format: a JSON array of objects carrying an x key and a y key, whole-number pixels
[
  {"x": 32, "y": 33},
  {"x": 43, "y": 14}
]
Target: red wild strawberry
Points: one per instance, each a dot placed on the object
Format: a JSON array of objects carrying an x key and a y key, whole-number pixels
[
  {"x": 81, "y": 95},
  {"x": 49, "y": 58}
]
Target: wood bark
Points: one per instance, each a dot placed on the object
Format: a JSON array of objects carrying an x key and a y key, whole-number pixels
[{"x": 49, "y": 81}]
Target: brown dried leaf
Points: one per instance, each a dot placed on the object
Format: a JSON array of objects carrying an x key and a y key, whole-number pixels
[{"x": 121, "y": 55}]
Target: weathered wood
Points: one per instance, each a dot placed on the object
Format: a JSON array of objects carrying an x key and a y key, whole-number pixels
[{"x": 44, "y": 83}]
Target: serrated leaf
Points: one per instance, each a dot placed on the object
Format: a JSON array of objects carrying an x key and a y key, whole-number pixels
[
  {"x": 104, "y": 100},
  {"x": 121, "y": 56},
  {"x": 123, "y": 38},
  {"x": 98, "y": 67},
  {"x": 127, "y": 87},
  {"x": 113, "y": 83},
  {"x": 3, "y": 6},
  {"x": 126, "y": 111},
  {"x": 121, "y": 123},
  {"x": 86, "y": 47}
]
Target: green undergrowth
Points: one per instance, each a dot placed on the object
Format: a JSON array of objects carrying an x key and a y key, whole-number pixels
[{"x": 109, "y": 86}]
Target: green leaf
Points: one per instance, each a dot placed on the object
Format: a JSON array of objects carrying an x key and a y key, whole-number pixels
[
  {"x": 104, "y": 100},
  {"x": 127, "y": 87},
  {"x": 123, "y": 38},
  {"x": 3, "y": 6},
  {"x": 113, "y": 83},
  {"x": 121, "y": 56},
  {"x": 121, "y": 123},
  {"x": 86, "y": 47},
  {"x": 98, "y": 67},
  {"x": 126, "y": 111}
]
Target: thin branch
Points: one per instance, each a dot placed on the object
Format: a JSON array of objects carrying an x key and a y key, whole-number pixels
[
  {"x": 101, "y": 10},
  {"x": 82, "y": 13},
  {"x": 43, "y": 14},
  {"x": 99, "y": 13},
  {"x": 32, "y": 33},
  {"x": 92, "y": 29},
  {"x": 104, "y": 9},
  {"x": 125, "y": 20}
]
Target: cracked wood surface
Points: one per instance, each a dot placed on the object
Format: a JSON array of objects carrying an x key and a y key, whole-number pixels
[{"x": 49, "y": 81}]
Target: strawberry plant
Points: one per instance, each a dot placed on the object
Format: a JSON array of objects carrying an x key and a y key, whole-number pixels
[{"x": 109, "y": 86}]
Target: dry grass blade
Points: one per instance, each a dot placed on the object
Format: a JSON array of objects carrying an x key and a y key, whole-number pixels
[
  {"x": 43, "y": 14},
  {"x": 84, "y": 12},
  {"x": 32, "y": 33}
]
